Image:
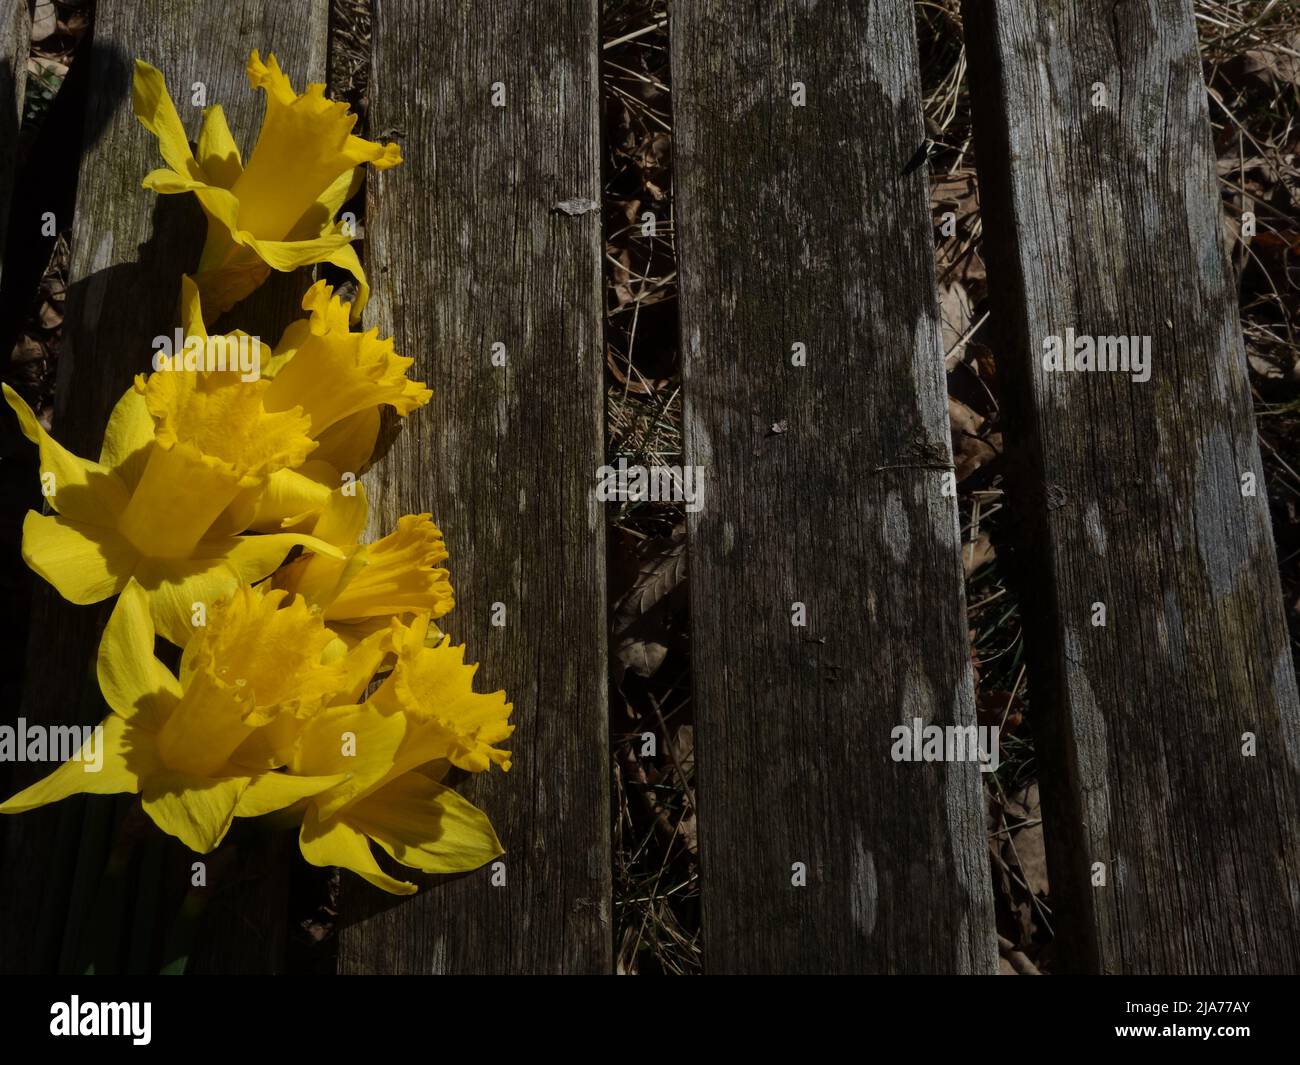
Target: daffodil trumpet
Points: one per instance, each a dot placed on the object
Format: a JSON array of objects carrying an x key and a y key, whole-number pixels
[{"x": 398, "y": 577}]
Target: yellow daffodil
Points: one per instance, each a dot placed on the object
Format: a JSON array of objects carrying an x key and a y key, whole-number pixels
[
  {"x": 340, "y": 379},
  {"x": 277, "y": 211},
  {"x": 395, "y": 748},
  {"x": 175, "y": 740},
  {"x": 184, "y": 458}
]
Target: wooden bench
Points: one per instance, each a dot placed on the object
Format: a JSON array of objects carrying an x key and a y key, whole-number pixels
[{"x": 826, "y": 587}]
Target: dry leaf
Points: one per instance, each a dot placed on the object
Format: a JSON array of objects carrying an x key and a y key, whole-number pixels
[
  {"x": 977, "y": 554},
  {"x": 639, "y": 613},
  {"x": 1274, "y": 66},
  {"x": 45, "y": 20},
  {"x": 970, "y": 450},
  {"x": 28, "y": 349}
]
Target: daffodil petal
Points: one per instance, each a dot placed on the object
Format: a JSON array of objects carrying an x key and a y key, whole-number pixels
[
  {"x": 345, "y": 186},
  {"x": 196, "y": 810},
  {"x": 268, "y": 792},
  {"x": 238, "y": 517},
  {"x": 77, "y": 488},
  {"x": 314, "y": 577},
  {"x": 218, "y": 152},
  {"x": 128, "y": 438},
  {"x": 346, "y": 258},
  {"x": 426, "y": 826},
  {"x": 290, "y": 341},
  {"x": 255, "y": 557},
  {"x": 157, "y": 113},
  {"x": 86, "y": 563},
  {"x": 168, "y": 183},
  {"x": 177, "y": 587},
  {"x": 268, "y": 747},
  {"x": 222, "y": 208},
  {"x": 132, "y": 680},
  {"x": 294, "y": 494},
  {"x": 126, "y": 755},
  {"x": 351, "y": 740},
  {"x": 362, "y": 661},
  {"x": 326, "y": 311},
  {"x": 286, "y": 255},
  {"x": 343, "y": 519},
  {"x": 335, "y": 842},
  {"x": 349, "y": 445},
  {"x": 192, "y": 309}
]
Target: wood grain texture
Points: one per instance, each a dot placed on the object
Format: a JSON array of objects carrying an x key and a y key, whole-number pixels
[
  {"x": 465, "y": 250},
  {"x": 805, "y": 225},
  {"x": 15, "y": 42},
  {"x": 129, "y": 249},
  {"x": 1107, "y": 220}
]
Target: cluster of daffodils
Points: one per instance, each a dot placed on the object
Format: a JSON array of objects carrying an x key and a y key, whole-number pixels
[{"x": 225, "y": 516}]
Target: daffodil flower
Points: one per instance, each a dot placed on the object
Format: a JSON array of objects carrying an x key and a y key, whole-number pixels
[
  {"x": 175, "y": 740},
  {"x": 340, "y": 379},
  {"x": 395, "y": 748},
  {"x": 184, "y": 456},
  {"x": 278, "y": 211}
]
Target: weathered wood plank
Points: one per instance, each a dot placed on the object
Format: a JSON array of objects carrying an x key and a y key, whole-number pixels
[
  {"x": 15, "y": 42},
  {"x": 129, "y": 250},
  {"x": 466, "y": 252},
  {"x": 807, "y": 225},
  {"x": 1102, "y": 216}
]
